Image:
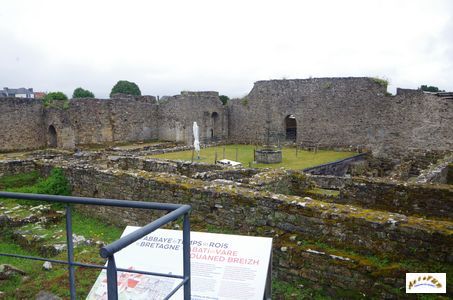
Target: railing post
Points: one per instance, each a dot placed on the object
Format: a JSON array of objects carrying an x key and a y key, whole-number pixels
[
  {"x": 112, "y": 281},
  {"x": 186, "y": 254},
  {"x": 70, "y": 245}
]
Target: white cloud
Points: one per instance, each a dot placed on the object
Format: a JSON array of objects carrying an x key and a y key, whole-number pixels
[{"x": 168, "y": 46}]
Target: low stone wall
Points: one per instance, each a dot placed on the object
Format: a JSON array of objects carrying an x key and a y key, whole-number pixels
[
  {"x": 300, "y": 228},
  {"x": 438, "y": 172},
  {"x": 159, "y": 165},
  {"x": 329, "y": 181},
  {"x": 431, "y": 200},
  {"x": 13, "y": 167},
  {"x": 236, "y": 175},
  {"x": 246, "y": 210},
  {"x": 337, "y": 168}
]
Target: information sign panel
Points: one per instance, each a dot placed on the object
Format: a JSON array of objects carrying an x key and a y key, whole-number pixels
[{"x": 223, "y": 266}]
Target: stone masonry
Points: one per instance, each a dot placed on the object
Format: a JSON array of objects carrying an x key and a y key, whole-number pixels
[{"x": 331, "y": 112}]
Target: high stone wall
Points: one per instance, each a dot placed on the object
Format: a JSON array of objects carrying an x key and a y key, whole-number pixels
[
  {"x": 64, "y": 132},
  {"x": 324, "y": 109},
  {"x": 333, "y": 112},
  {"x": 343, "y": 112},
  {"x": 125, "y": 119},
  {"x": 27, "y": 124},
  {"x": 21, "y": 124},
  {"x": 177, "y": 114}
]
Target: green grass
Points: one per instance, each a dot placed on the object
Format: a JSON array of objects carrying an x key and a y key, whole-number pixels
[
  {"x": 91, "y": 227},
  {"x": 19, "y": 180},
  {"x": 55, "y": 280},
  {"x": 304, "y": 159}
]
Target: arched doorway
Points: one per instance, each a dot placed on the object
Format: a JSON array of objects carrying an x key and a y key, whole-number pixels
[
  {"x": 52, "y": 137},
  {"x": 291, "y": 128},
  {"x": 215, "y": 124}
]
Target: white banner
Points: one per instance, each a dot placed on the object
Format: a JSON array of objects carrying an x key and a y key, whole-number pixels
[{"x": 223, "y": 266}]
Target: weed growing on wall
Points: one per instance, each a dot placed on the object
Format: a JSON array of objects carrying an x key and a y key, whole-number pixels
[{"x": 381, "y": 81}]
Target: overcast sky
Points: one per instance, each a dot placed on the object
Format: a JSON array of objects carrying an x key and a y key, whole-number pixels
[{"x": 170, "y": 46}]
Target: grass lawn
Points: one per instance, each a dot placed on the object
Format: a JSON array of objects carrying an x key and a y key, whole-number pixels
[{"x": 304, "y": 159}]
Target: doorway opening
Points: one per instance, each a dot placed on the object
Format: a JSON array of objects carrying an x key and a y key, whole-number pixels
[{"x": 291, "y": 128}]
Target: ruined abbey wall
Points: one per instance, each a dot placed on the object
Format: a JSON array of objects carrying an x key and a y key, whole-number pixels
[
  {"x": 177, "y": 114},
  {"x": 120, "y": 119},
  {"x": 298, "y": 226},
  {"x": 332, "y": 112},
  {"x": 26, "y": 124},
  {"x": 21, "y": 124},
  {"x": 343, "y": 112}
]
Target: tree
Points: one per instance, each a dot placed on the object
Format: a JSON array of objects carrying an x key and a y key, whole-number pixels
[
  {"x": 430, "y": 88},
  {"x": 125, "y": 87},
  {"x": 224, "y": 99},
  {"x": 82, "y": 93}
]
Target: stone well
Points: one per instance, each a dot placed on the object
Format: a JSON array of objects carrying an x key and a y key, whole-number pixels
[{"x": 268, "y": 156}]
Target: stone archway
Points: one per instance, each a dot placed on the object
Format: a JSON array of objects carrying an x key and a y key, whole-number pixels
[
  {"x": 291, "y": 128},
  {"x": 52, "y": 140}
]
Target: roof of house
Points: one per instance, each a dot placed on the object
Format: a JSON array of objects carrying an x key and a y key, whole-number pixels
[
  {"x": 10, "y": 92},
  {"x": 20, "y": 91}
]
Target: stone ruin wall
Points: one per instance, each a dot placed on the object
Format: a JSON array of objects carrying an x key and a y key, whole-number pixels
[
  {"x": 326, "y": 110},
  {"x": 294, "y": 222},
  {"x": 365, "y": 246},
  {"x": 177, "y": 114},
  {"x": 95, "y": 121},
  {"x": 343, "y": 112},
  {"x": 21, "y": 124},
  {"x": 334, "y": 112},
  {"x": 24, "y": 123}
]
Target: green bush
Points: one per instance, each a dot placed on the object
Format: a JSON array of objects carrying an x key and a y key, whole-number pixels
[
  {"x": 55, "y": 184},
  {"x": 52, "y": 96},
  {"x": 126, "y": 87},
  {"x": 381, "y": 81},
  {"x": 55, "y": 96},
  {"x": 224, "y": 99},
  {"x": 82, "y": 93},
  {"x": 430, "y": 88}
]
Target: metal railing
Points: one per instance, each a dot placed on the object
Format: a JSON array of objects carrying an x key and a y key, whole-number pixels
[{"x": 174, "y": 212}]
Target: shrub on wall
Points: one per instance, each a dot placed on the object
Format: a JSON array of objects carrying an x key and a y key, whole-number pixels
[
  {"x": 381, "y": 81},
  {"x": 82, "y": 93},
  {"x": 430, "y": 88},
  {"x": 224, "y": 99},
  {"x": 55, "y": 96},
  {"x": 125, "y": 87},
  {"x": 50, "y": 97}
]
